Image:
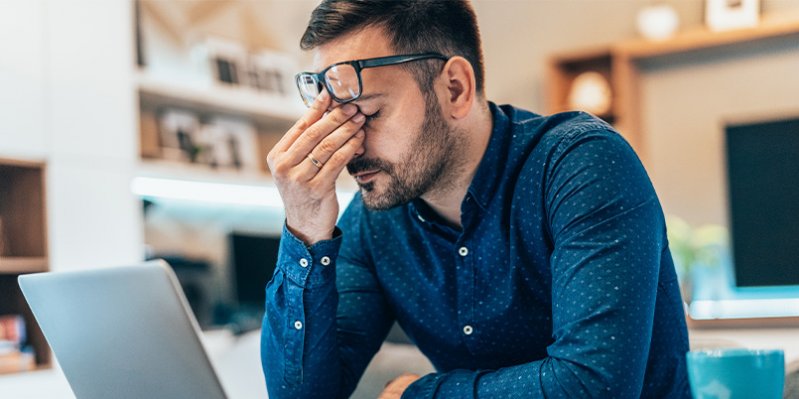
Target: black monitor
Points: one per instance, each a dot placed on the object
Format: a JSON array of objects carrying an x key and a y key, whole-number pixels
[
  {"x": 763, "y": 183},
  {"x": 253, "y": 260}
]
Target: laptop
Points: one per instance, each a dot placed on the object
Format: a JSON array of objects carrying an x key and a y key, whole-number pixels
[{"x": 123, "y": 332}]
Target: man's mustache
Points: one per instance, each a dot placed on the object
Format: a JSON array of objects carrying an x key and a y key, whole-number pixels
[{"x": 359, "y": 165}]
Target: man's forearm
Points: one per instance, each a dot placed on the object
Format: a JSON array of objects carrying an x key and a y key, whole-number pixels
[
  {"x": 298, "y": 347},
  {"x": 325, "y": 319}
]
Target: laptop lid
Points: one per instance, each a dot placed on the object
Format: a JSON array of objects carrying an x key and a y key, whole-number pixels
[{"x": 123, "y": 332}]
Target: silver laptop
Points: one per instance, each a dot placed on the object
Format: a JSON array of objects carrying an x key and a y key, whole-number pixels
[{"x": 123, "y": 332}]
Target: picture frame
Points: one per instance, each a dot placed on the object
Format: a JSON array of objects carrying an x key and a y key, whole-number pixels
[
  {"x": 228, "y": 60},
  {"x": 273, "y": 72},
  {"x": 177, "y": 134},
  {"x": 233, "y": 143},
  {"x": 723, "y": 15}
]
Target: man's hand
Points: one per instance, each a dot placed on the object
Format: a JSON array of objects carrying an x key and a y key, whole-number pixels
[
  {"x": 306, "y": 162},
  {"x": 397, "y": 386}
]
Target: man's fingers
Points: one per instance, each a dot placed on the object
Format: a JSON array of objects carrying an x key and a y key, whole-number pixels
[
  {"x": 317, "y": 110},
  {"x": 335, "y": 140},
  {"x": 314, "y": 134},
  {"x": 339, "y": 159}
]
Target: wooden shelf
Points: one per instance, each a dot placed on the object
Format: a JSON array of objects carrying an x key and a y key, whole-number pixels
[
  {"x": 24, "y": 242},
  {"x": 703, "y": 38},
  {"x": 619, "y": 62},
  {"x": 263, "y": 109},
  {"x": 22, "y": 264}
]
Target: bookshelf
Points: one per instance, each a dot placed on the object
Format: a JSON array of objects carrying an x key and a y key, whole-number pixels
[
  {"x": 270, "y": 116},
  {"x": 23, "y": 246},
  {"x": 620, "y": 62}
]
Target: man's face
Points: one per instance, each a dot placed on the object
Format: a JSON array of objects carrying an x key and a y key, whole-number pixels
[{"x": 409, "y": 146}]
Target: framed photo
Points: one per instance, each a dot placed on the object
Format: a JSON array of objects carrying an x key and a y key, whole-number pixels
[
  {"x": 228, "y": 61},
  {"x": 177, "y": 134},
  {"x": 272, "y": 72},
  {"x": 233, "y": 144},
  {"x": 731, "y": 14}
]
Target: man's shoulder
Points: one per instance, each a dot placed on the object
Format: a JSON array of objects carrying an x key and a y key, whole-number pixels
[
  {"x": 530, "y": 133},
  {"x": 559, "y": 126}
]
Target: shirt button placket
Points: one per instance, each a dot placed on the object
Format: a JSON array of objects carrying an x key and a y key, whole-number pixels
[{"x": 463, "y": 252}]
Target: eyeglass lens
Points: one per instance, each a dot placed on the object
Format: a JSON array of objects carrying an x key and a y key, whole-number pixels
[
  {"x": 342, "y": 81},
  {"x": 309, "y": 88}
]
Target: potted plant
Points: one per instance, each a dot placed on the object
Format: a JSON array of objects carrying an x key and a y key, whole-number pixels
[{"x": 693, "y": 249}]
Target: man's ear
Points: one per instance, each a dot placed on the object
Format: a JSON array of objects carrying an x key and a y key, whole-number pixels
[{"x": 458, "y": 76}]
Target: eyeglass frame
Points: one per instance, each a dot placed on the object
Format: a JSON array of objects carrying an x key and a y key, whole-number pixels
[{"x": 360, "y": 65}]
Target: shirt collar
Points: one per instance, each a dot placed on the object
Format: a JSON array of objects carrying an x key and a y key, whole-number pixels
[{"x": 489, "y": 171}]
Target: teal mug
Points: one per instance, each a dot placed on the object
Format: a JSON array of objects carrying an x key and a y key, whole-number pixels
[{"x": 736, "y": 373}]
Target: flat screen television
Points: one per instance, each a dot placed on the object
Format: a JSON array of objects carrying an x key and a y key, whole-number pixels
[
  {"x": 763, "y": 184},
  {"x": 254, "y": 258}
]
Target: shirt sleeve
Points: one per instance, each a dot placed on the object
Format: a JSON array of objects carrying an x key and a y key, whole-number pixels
[
  {"x": 325, "y": 316},
  {"x": 608, "y": 237}
]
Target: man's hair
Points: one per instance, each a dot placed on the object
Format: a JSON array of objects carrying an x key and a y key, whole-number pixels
[{"x": 413, "y": 26}]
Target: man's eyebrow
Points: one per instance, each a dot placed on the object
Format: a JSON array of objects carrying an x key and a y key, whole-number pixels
[{"x": 368, "y": 97}]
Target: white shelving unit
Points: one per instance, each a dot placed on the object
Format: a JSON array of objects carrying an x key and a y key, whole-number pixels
[
  {"x": 265, "y": 109},
  {"x": 271, "y": 114}
]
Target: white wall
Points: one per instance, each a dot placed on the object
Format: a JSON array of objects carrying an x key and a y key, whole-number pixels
[
  {"x": 686, "y": 101},
  {"x": 69, "y": 100},
  {"x": 22, "y": 83}
]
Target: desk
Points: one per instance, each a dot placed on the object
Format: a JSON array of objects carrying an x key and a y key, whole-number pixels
[{"x": 238, "y": 364}]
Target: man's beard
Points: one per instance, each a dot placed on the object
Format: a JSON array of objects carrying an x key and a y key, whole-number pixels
[{"x": 429, "y": 159}]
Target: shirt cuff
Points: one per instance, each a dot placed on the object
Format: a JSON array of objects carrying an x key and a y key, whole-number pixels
[{"x": 308, "y": 266}]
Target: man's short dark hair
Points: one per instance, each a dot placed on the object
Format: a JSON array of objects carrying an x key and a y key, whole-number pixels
[{"x": 448, "y": 27}]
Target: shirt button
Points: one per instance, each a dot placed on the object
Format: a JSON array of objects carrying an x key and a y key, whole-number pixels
[
  {"x": 304, "y": 262},
  {"x": 298, "y": 325},
  {"x": 463, "y": 251},
  {"x": 325, "y": 261},
  {"x": 467, "y": 329}
]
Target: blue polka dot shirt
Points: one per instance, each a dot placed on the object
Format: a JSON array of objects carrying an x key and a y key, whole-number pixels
[{"x": 559, "y": 285}]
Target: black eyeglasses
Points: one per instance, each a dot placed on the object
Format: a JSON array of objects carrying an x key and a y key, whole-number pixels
[{"x": 343, "y": 79}]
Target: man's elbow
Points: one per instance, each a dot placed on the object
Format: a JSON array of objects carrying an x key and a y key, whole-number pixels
[{"x": 566, "y": 378}]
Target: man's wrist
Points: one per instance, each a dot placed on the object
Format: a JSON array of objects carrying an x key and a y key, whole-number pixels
[{"x": 310, "y": 240}]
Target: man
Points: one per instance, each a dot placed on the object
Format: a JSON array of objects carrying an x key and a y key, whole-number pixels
[{"x": 525, "y": 255}]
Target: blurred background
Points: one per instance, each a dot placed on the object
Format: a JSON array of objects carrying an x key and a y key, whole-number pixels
[{"x": 132, "y": 130}]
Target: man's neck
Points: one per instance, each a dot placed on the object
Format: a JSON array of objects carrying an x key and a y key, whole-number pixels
[{"x": 446, "y": 198}]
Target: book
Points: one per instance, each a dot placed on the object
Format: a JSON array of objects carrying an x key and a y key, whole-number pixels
[
  {"x": 12, "y": 333},
  {"x": 17, "y": 361}
]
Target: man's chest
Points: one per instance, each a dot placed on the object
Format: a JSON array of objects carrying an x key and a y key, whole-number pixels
[{"x": 482, "y": 295}]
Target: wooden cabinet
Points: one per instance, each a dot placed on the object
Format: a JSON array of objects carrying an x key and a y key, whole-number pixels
[
  {"x": 620, "y": 63},
  {"x": 23, "y": 242}
]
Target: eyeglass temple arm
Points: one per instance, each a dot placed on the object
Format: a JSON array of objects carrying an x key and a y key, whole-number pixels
[{"x": 399, "y": 59}]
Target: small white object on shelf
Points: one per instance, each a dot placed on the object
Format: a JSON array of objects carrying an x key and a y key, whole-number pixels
[
  {"x": 658, "y": 22},
  {"x": 723, "y": 15}
]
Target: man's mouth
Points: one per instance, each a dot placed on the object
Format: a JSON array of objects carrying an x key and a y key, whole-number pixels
[{"x": 365, "y": 176}]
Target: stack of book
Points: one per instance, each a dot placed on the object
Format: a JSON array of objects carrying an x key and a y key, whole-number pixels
[{"x": 12, "y": 340}]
